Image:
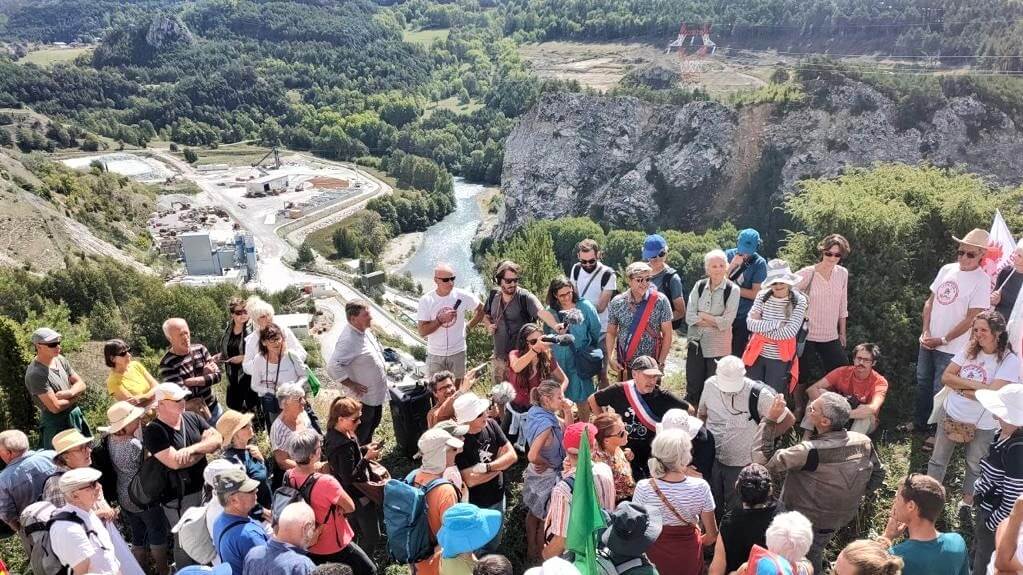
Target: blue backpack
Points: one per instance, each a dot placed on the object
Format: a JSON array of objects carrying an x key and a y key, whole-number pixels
[{"x": 408, "y": 532}]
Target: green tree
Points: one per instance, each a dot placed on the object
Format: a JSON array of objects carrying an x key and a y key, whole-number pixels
[
  {"x": 17, "y": 411},
  {"x": 345, "y": 243},
  {"x": 190, "y": 156},
  {"x": 566, "y": 233},
  {"x": 533, "y": 249},
  {"x": 305, "y": 255}
]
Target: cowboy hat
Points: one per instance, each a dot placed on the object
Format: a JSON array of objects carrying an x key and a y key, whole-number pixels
[{"x": 977, "y": 238}]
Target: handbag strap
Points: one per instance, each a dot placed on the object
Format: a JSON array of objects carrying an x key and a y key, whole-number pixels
[{"x": 664, "y": 500}]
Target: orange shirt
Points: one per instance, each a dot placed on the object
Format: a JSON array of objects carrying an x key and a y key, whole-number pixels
[
  {"x": 843, "y": 381},
  {"x": 437, "y": 502}
]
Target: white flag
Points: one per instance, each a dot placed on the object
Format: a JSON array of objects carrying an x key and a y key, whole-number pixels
[{"x": 1000, "y": 246}]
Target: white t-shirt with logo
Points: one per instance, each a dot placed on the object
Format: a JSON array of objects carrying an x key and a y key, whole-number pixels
[
  {"x": 955, "y": 292},
  {"x": 983, "y": 368},
  {"x": 593, "y": 289},
  {"x": 448, "y": 339}
]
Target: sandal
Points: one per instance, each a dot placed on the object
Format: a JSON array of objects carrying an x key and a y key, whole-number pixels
[{"x": 928, "y": 445}]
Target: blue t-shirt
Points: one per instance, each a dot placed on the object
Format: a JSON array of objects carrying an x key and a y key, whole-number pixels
[
  {"x": 945, "y": 555},
  {"x": 277, "y": 558},
  {"x": 242, "y": 534},
  {"x": 755, "y": 273}
]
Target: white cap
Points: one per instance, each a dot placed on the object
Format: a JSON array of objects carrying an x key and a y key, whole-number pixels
[
  {"x": 171, "y": 391},
  {"x": 680, "y": 419},
  {"x": 76, "y": 479},
  {"x": 470, "y": 406},
  {"x": 730, "y": 374},
  {"x": 433, "y": 446},
  {"x": 554, "y": 566}
]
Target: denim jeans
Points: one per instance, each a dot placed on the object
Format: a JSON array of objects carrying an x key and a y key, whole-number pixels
[
  {"x": 944, "y": 448},
  {"x": 930, "y": 365}
]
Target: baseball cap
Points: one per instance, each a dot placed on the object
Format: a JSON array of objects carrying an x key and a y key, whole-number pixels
[
  {"x": 433, "y": 445},
  {"x": 234, "y": 480},
  {"x": 574, "y": 435},
  {"x": 653, "y": 245},
  {"x": 646, "y": 365},
  {"x": 75, "y": 479},
  {"x": 45, "y": 335},
  {"x": 171, "y": 391},
  {"x": 450, "y": 426},
  {"x": 749, "y": 242}
]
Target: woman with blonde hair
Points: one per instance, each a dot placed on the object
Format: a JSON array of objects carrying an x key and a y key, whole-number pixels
[
  {"x": 684, "y": 503},
  {"x": 240, "y": 396},
  {"x": 544, "y": 432},
  {"x": 865, "y": 557}
]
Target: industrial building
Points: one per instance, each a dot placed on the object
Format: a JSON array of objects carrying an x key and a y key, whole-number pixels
[
  {"x": 269, "y": 184},
  {"x": 204, "y": 257}
]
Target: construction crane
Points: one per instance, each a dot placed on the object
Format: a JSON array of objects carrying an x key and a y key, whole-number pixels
[
  {"x": 277, "y": 161},
  {"x": 692, "y": 56}
]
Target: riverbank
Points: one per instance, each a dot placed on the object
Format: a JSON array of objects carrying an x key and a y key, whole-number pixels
[
  {"x": 489, "y": 202},
  {"x": 400, "y": 250}
]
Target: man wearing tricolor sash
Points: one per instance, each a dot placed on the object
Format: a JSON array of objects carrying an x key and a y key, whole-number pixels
[{"x": 641, "y": 403}]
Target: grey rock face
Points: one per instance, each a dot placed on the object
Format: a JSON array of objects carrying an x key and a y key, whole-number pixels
[
  {"x": 167, "y": 31},
  {"x": 632, "y": 164}
]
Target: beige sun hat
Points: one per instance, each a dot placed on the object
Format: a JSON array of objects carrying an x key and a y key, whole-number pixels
[
  {"x": 977, "y": 238},
  {"x": 120, "y": 414}
]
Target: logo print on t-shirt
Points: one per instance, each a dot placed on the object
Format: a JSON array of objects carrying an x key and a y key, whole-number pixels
[
  {"x": 973, "y": 372},
  {"x": 445, "y": 310},
  {"x": 947, "y": 292}
]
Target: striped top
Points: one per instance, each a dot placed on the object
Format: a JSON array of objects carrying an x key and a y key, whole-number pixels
[
  {"x": 1001, "y": 478},
  {"x": 177, "y": 368},
  {"x": 560, "y": 509},
  {"x": 829, "y": 301},
  {"x": 690, "y": 498},
  {"x": 778, "y": 320}
]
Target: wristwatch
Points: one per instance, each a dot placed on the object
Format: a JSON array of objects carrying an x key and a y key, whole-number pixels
[{"x": 944, "y": 340}]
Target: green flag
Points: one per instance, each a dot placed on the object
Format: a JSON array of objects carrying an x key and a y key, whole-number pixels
[{"x": 586, "y": 518}]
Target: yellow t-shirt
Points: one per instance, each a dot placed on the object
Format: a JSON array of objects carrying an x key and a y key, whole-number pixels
[{"x": 132, "y": 382}]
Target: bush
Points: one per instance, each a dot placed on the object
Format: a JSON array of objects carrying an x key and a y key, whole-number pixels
[
  {"x": 190, "y": 156},
  {"x": 16, "y": 408},
  {"x": 533, "y": 249}
]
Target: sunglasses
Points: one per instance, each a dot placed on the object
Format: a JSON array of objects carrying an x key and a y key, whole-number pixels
[
  {"x": 510, "y": 280},
  {"x": 564, "y": 294},
  {"x": 641, "y": 280},
  {"x": 122, "y": 353},
  {"x": 273, "y": 338},
  {"x": 622, "y": 434},
  {"x": 832, "y": 254},
  {"x": 355, "y": 417},
  {"x": 659, "y": 255},
  {"x": 967, "y": 255},
  {"x": 240, "y": 311},
  {"x": 445, "y": 280},
  {"x": 53, "y": 345},
  {"x": 592, "y": 262}
]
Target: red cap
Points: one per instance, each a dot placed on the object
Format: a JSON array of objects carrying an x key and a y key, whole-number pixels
[{"x": 574, "y": 435}]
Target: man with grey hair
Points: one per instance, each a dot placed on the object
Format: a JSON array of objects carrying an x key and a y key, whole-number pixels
[
  {"x": 828, "y": 475},
  {"x": 286, "y": 550},
  {"x": 650, "y": 335},
  {"x": 55, "y": 388},
  {"x": 21, "y": 481},
  {"x": 192, "y": 367},
  {"x": 357, "y": 363},
  {"x": 235, "y": 533}
]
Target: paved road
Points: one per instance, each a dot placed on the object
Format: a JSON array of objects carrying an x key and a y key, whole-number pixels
[{"x": 275, "y": 275}]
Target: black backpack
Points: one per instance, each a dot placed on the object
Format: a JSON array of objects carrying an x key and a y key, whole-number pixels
[
  {"x": 524, "y": 314},
  {"x": 604, "y": 278},
  {"x": 102, "y": 461},
  {"x": 665, "y": 288},
  {"x": 754, "y": 400}
]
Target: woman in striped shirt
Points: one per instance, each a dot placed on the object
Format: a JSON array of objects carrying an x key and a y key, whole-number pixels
[
  {"x": 1001, "y": 472},
  {"x": 774, "y": 322},
  {"x": 826, "y": 284}
]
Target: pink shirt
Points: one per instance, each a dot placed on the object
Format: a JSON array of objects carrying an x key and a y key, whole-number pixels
[
  {"x": 337, "y": 533},
  {"x": 829, "y": 302}
]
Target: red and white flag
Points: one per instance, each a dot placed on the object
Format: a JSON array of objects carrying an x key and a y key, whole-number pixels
[{"x": 999, "y": 247}]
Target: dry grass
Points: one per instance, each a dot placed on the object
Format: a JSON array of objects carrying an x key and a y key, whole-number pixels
[
  {"x": 425, "y": 37},
  {"x": 47, "y": 57}
]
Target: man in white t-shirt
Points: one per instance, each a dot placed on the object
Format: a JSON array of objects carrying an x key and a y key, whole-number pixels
[
  {"x": 958, "y": 293},
  {"x": 441, "y": 319},
  {"x": 596, "y": 283}
]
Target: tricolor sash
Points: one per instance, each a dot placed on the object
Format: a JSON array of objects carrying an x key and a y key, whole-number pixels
[{"x": 644, "y": 414}]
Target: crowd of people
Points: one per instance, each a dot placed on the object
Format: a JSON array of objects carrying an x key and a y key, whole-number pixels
[{"x": 754, "y": 469}]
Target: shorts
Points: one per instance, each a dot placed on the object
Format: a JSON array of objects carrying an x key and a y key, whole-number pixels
[
  {"x": 454, "y": 363},
  {"x": 147, "y": 528}
]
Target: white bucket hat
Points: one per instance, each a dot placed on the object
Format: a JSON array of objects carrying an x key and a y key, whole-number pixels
[
  {"x": 778, "y": 271},
  {"x": 470, "y": 406},
  {"x": 730, "y": 375},
  {"x": 1006, "y": 403}
]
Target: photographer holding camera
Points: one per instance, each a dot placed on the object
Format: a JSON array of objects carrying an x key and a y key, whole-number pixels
[
  {"x": 528, "y": 365},
  {"x": 860, "y": 384}
]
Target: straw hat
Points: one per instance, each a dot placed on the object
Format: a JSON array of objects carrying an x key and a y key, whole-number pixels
[
  {"x": 977, "y": 238},
  {"x": 120, "y": 414},
  {"x": 230, "y": 423},
  {"x": 69, "y": 439}
]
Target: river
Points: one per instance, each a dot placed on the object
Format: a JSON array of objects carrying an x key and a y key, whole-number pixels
[{"x": 450, "y": 240}]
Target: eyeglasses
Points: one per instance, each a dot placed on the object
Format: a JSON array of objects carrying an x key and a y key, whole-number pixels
[
  {"x": 641, "y": 280},
  {"x": 273, "y": 338},
  {"x": 445, "y": 280},
  {"x": 510, "y": 280},
  {"x": 565, "y": 294},
  {"x": 832, "y": 254},
  {"x": 592, "y": 262},
  {"x": 967, "y": 255},
  {"x": 240, "y": 311},
  {"x": 53, "y": 344}
]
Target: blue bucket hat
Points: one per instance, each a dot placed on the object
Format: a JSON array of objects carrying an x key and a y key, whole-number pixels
[
  {"x": 653, "y": 245},
  {"x": 749, "y": 242},
  {"x": 466, "y": 528}
]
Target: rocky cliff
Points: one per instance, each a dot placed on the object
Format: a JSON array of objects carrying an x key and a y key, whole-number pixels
[{"x": 632, "y": 164}]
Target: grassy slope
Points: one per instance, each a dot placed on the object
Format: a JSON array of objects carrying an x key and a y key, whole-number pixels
[
  {"x": 425, "y": 37},
  {"x": 49, "y": 56}
]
